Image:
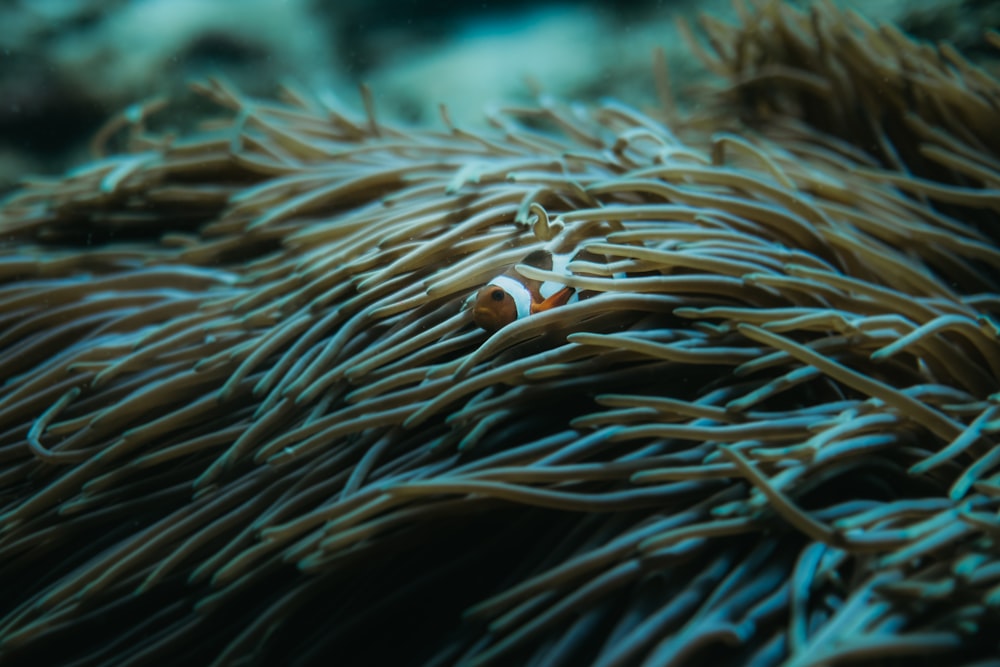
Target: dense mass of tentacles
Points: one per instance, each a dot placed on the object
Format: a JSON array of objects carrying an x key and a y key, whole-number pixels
[{"x": 245, "y": 414}]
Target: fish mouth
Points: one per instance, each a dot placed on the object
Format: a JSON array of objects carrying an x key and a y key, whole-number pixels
[{"x": 485, "y": 319}]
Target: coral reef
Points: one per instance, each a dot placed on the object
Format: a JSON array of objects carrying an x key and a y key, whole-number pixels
[{"x": 246, "y": 415}]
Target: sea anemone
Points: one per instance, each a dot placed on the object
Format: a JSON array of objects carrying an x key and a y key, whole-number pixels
[{"x": 247, "y": 416}]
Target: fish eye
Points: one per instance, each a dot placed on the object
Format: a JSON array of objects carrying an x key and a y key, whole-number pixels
[{"x": 497, "y": 294}]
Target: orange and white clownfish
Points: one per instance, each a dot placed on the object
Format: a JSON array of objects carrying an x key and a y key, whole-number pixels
[{"x": 510, "y": 296}]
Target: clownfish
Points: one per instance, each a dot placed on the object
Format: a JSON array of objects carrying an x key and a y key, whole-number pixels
[{"x": 510, "y": 296}]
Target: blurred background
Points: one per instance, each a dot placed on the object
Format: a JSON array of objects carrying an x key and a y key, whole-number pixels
[{"x": 68, "y": 65}]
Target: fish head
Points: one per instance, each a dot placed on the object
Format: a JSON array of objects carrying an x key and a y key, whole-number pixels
[{"x": 493, "y": 308}]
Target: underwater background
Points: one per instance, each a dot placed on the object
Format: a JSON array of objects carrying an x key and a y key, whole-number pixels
[
  {"x": 267, "y": 396},
  {"x": 66, "y": 66}
]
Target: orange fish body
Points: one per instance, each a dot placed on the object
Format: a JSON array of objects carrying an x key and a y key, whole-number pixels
[{"x": 511, "y": 297}]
